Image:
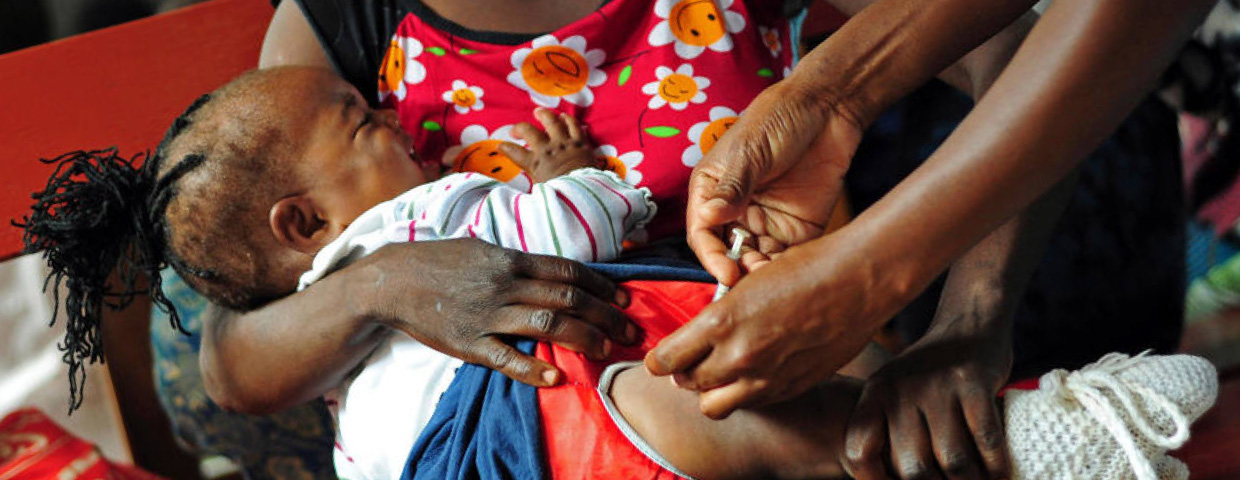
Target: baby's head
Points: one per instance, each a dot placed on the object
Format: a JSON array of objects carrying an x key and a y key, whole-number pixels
[
  {"x": 247, "y": 185},
  {"x": 290, "y": 157}
]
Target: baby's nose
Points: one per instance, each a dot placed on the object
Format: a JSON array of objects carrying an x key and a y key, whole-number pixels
[{"x": 388, "y": 117}]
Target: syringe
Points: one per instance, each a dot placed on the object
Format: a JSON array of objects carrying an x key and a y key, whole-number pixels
[{"x": 738, "y": 239}]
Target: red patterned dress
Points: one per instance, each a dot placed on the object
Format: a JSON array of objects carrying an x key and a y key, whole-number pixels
[{"x": 657, "y": 83}]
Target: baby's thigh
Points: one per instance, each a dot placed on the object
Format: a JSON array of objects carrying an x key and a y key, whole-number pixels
[{"x": 799, "y": 438}]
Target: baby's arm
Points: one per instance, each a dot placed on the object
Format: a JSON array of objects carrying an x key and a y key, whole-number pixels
[{"x": 575, "y": 211}]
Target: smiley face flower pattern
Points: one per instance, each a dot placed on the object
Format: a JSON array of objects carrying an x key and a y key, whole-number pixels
[
  {"x": 551, "y": 71},
  {"x": 770, "y": 38},
  {"x": 464, "y": 97},
  {"x": 479, "y": 152},
  {"x": 695, "y": 25},
  {"x": 624, "y": 164},
  {"x": 676, "y": 88},
  {"x": 400, "y": 66},
  {"x": 704, "y": 135}
]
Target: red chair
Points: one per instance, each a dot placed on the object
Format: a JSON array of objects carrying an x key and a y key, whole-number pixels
[{"x": 119, "y": 86}]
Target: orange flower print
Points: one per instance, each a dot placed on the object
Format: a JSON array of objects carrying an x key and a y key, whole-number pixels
[
  {"x": 464, "y": 97},
  {"x": 705, "y": 134},
  {"x": 400, "y": 67},
  {"x": 479, "y": 152},
  {"x": 551, "y": 71},
  {"x": 770, "y": 38},
  {"x": 695, "y": 25},
  {"x": 625, "y": 165},
  {"x": 677, "y": 88}
]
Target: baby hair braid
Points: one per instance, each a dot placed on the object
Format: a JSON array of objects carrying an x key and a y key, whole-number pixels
[{"x": 101, "y": 212}]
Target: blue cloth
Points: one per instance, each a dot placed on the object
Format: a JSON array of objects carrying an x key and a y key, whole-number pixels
[
  {"x": 485, "y": 426},
  {"x": 652, "y": 269},
  {"x": 1205, "y": 249}
]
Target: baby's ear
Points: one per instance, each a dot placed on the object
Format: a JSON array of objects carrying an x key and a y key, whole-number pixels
[{"x": 297, "y": 224}]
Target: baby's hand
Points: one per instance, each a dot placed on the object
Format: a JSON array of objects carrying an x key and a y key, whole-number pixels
[{"x": 562, "y": 148}]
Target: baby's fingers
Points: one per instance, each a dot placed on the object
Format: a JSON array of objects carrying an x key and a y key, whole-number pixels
[
  {"x": 532, "y": 135},
  {"x": 552, "y": 123},
  {"x": 519, "y": 155},
  {"x": 576, "y": 131}
]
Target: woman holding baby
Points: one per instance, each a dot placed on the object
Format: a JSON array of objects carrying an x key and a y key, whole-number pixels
[{"x": 803, "y": 304}]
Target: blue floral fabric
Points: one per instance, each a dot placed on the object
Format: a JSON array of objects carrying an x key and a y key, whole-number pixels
[{"x": 294, "y": 444}]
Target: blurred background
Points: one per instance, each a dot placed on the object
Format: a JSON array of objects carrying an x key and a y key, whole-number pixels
[{"x": 24, "y": 23}]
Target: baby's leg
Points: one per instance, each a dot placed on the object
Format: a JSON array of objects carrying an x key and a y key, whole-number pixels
[{"x": 799, "y": 438}]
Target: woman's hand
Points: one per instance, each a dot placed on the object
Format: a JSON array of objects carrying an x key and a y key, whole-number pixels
[
  {"x": 932, "y": 412},
  {"x": 464, "y": 297},
  {"x": 777, "y": 173},
  {"x": 785, "y": 327}
]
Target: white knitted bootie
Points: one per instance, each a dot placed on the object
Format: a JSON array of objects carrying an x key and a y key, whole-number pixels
[{"x": 1115, "y": 419}]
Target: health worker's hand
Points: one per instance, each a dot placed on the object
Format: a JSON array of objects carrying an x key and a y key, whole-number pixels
[
  {"x": 776, "y": 173},
  {"x": 784, "y": 327}
]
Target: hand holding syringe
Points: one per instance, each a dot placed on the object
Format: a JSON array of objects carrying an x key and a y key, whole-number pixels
[{"x": 738, "y": 240}]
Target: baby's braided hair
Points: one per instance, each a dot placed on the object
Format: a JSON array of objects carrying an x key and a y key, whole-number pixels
[{"x": 98, "y": 212}]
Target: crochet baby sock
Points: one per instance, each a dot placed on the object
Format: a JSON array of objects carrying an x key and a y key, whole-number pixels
[{"x": 1115, "y": 419}]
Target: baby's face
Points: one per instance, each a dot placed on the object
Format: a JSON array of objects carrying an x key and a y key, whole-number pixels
[{"x": 353, "y": 156}]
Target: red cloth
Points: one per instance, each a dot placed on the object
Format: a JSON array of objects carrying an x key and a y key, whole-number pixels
[
  {"x": 32, "y": 446},
  {"x": 581, "y": 440}
]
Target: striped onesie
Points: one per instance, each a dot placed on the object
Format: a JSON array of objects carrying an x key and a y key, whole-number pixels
[{"x": 381, "y": 410}]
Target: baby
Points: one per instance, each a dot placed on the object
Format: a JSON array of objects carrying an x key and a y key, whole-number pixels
[{"x": 284, "y": 175}]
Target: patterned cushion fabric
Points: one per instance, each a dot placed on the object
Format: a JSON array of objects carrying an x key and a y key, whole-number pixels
[{"x": 294, "y": 444}]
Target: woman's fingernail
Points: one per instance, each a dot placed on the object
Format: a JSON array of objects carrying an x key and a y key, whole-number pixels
[
  {"x": 551, "y": 377},
  {"x": 622, "y": 297},
  {"x": 630, "y": 332},
  {"x": 606, "y": 348}
]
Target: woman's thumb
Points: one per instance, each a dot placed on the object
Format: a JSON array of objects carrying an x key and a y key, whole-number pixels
[{"x": 717, "y": 200}]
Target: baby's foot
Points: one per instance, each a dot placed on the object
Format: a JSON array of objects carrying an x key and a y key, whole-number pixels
[{"x": 1113, "y": 419}]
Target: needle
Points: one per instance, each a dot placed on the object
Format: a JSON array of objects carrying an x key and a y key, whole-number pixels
[{"x": 738, "y": 239}]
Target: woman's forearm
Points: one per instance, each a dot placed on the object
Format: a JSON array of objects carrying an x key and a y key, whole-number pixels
[
  {"x": 1081, "y": 70},
  {"x": 461, "y": 297},
  {"x": 985, "y": 286},
  {"x": 891, "y": 47},
  {"x": 973, "y": 73},
  {"x": 289, "y": 351}
]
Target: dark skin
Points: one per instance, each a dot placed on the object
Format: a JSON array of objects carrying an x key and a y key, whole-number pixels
[
  {"x": 499, "y": 292},
  {"x": 774, "y": 441},
  {"x": 1083, "y": 67},
  {"x": 354, "y": 157}
]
